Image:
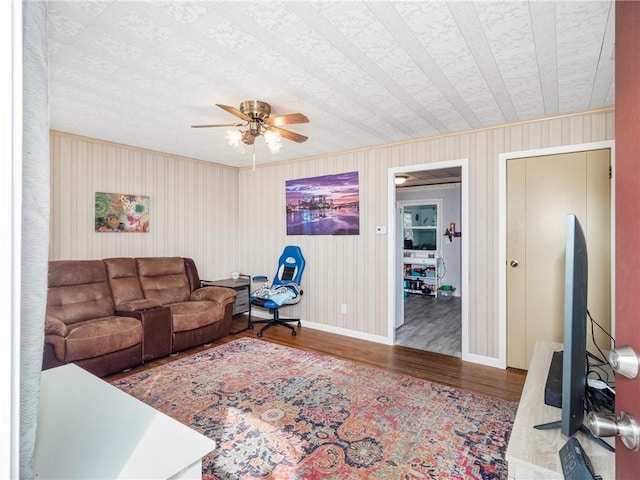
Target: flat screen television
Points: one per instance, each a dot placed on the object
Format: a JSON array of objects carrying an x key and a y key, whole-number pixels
[
  {"x": 574, "y": 345},
  {"x": 574, "y": 357}
]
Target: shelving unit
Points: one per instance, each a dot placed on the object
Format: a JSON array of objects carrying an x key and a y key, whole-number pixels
[{"x": 421, "y": 273}]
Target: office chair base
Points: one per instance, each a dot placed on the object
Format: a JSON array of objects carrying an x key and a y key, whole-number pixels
[{"x": 276, "y": 321}]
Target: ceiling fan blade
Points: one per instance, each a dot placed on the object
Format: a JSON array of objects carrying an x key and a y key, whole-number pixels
[
  {"x": 296, "y": 137},
  {"x": 219, "y": 125},
  {"x": 286, "y": 119},
  {"x": 235, "y": 111}
]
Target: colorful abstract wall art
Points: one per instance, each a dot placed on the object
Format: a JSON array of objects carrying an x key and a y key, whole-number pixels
[
  {"x": 119, "y": 212},
  {"x": 326, "y": 205}
]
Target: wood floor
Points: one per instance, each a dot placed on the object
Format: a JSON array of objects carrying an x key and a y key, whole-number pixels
[{"x": 505, "y": 384}]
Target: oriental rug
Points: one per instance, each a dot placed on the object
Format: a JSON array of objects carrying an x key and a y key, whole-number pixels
[{"x": 281, "y": 413}]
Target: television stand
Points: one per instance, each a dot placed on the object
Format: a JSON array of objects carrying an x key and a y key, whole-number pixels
[
  {"x": 533, "y": 453},
  {"x": 553, "y": 397}
]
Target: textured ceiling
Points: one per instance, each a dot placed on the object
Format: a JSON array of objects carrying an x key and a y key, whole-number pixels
[{"x": 365, "y": 73}]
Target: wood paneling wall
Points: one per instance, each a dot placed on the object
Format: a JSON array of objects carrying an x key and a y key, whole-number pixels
[
  {"x": 234, "y": 219},
  {"x": 193, "y": 204},
  {"x": 352, "y": 270}
]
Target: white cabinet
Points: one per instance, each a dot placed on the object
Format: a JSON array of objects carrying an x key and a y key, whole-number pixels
[
  {"x": 88, "y": 428},
  {"x": 421, "y": 273}
]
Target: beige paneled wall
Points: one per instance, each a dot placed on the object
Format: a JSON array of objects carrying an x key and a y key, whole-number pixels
[
  {"x": 193, "y": 204},
  {"x": 229, "y": 219},
  {"x": 353, "y": 269}
]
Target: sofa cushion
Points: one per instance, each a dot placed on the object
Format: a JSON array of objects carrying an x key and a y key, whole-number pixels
[
  {"x": 136, "y": 305},
  {"x": 163, "y": 279},
  {"x": 101, "y": 336},
  {"x": 78, "y": 290},
  {"x": 195, "y": 314},
  {"x": 123, "y": 279}
]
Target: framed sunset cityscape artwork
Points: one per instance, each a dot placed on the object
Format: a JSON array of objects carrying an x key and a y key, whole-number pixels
[{"x": 325, "y": 205}]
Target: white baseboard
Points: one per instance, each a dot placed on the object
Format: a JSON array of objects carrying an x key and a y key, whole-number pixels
[
  {"x": 482, "y": 360},
  {"x": 472, "y": 358},
  {"x": 262, "y": 314},
  {"x": 347, "y": 333}
]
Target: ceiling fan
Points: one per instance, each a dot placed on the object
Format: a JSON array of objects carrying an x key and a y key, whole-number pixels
[{"x": 256, "y": 113}]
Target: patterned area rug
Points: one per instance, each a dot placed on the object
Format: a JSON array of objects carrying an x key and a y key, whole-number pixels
[{"x": 281, "y": 413}]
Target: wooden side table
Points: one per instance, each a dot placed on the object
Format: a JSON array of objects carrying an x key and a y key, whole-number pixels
[{"x": 242, "y": 287}]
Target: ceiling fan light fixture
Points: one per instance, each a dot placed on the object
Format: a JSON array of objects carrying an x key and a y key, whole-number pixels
[
  {"x": 233, "y": 137},
  {"x": 247, "y": 137},
  {"x": 400, "y": 179},
  {"x": 273, "y": 140},
  {"x": 256, "y": 114}
]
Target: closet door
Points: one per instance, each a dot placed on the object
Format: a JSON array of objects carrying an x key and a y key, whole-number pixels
[{"x": 541, "y": 191}]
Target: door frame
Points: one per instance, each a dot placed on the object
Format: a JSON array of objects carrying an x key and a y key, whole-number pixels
[
  {"x": 502, "y": 228},
  {"x": 393, "y": 259}
]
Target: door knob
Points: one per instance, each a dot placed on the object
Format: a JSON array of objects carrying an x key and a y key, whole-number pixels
[
  {"x": 624, "y": 426},
  {"x": 624, "y": 361},
  {"x": 514, "y": 263}
]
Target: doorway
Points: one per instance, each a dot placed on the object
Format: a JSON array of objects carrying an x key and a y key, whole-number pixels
[
  {"x": 537, "y": 190},
  {"x": 431, "y": 261},
  {"x": 429, "y": 183}
]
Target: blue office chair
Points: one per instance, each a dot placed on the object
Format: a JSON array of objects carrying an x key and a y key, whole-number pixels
[{"x": 284, "y": 290}]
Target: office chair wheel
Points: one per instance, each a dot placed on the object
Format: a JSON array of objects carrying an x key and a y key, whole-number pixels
[
  {"x": 293, "y": 333},
  {"x": 250, "y": 327},
  {"x": 259, "y": 334}
]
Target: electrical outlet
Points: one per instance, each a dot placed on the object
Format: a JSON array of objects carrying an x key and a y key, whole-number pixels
[
  {"x": 343, "y": 308},
  {"x": 381, "y": 230}
]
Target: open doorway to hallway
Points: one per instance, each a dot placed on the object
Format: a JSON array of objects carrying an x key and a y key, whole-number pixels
[{"x": 428, "y": 258}]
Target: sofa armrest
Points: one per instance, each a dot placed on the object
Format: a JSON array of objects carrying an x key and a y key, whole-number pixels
[
  {"x": 157, "y": 328},
  {"x": 138, "y": 304},
  {"x": 220, "y": 295},
  {"x": 55, "y": 326}
]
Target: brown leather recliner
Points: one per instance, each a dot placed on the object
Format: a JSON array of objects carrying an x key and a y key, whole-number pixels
[
  {"x": 112, "y": 314},
  {"x": 199, "y": 315},
  {"x": 81, "y": 326},
  {"x": 130, "y": 302}
]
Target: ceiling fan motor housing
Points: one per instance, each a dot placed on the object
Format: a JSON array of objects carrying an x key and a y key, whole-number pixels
[{"x": 256, "y": 109}]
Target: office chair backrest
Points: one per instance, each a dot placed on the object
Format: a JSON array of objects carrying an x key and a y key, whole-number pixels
[{"x": 290, "y": 266}]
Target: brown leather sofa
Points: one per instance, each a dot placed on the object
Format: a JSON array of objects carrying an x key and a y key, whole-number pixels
[
  {"x": 174, "y": 283},
  {"x": 112, "y": 314}
]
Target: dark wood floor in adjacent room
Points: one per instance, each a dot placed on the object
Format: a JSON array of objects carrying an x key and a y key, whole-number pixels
[{"x": 505, "y": 384}]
